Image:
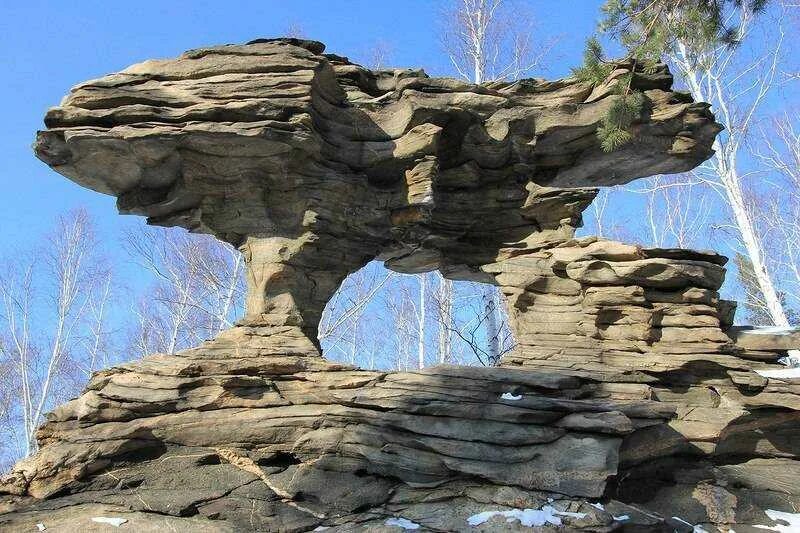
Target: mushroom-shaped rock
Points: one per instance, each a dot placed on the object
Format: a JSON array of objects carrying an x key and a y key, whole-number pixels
[
  {"x": 314, "y": 166},
  {"x": 624, "y": 384}
]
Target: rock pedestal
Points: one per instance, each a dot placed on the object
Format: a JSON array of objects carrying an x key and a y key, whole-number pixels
[
  {"x": 625, "y": 406},
  {"x": 234, "y": 432},
  {"x": 602, "y": 301},
  {"x": 649, "y": 324}
]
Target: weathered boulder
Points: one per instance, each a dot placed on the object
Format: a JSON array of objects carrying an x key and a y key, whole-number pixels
[
  {"x": 599, "y": 310},
  {"x": 625, "y": 405}
]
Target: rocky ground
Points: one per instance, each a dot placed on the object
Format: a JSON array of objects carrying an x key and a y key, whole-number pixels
[
  {"x": 246, "y": 438},
  {"x": 254, "y": 431}
]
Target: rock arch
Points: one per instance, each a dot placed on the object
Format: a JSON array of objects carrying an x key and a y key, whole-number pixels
[
  {"x": 313, "y": 166},
  {"x": 374, "y": 320}
]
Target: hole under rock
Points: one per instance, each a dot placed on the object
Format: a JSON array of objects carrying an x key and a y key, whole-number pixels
[
  {"x": 210, "y": 459},
  {"x": 279, "y": 460},
  {"x": 383, "y": 320}
]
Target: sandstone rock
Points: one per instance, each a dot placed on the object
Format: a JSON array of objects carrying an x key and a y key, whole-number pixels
[
  {"x": 313, "y": 166},
  {"x": 633, "y": 400},
  {"x": 318, "y": 444},
  {"x": 767, "y": 338}
]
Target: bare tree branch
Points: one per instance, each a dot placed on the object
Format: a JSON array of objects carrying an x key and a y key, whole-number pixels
[{"x": 487, "y": 40}]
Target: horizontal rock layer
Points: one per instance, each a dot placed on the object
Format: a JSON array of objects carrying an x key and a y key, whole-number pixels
[
  {"x": 234, "y": 436},
  {"x": 205, "y": 432},
  {"x": 649, "y": 324}
]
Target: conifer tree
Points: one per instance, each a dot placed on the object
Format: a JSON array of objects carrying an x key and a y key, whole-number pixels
[{"x": 648, "y": 30}]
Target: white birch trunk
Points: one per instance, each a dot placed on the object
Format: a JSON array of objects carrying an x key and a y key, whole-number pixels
[
  {"x": 445, "y": 302},
  {"x": 421, "y": 322},
  {"x": 737, "y": 93},
  {"x": 710, "y": 85},
  {"x": 492, "y": 328}
]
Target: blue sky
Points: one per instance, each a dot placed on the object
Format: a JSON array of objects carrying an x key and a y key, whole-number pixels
[{"x": 49, "y": 46}]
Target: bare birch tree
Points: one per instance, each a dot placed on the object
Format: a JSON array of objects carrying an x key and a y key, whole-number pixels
[
  {"x": 97, "y": 342},
  {"x": 444, "y": 304},
  {"x": 295, "y": 30},
  {"x": 409, "y": 308},
  {"x": 487, "y": 40},
  {"x": 422, "y": 280},
  {"x": 737, "y": 85},
  {"x": 476, "y": 320},
  {"x": 677, "y": 210},
  {"x": 490, "y": 310},
  {"x": 402, "y": 310},
  {"x": 382, "y": 319},
  {"x": 779, "y": 152},
  {"x": 729, "y": 54},
  {"x": 198, "y": 288},
  {"x": 53, "y": 322},
  {"x": 377, "y": 56},
  {"x": 8, "y": 453},
  {"x": 341, "y": 322}
]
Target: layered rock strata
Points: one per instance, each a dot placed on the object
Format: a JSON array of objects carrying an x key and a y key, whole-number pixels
[
  {"x": 314, "y": 166},
  {"x": 649, "y": 323},
  {"x": 249, "y": 432},
  {"x": 241, "y": 434},
  {"x": 625, "y": 405}
]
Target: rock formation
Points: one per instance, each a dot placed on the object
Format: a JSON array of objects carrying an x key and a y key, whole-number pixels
[
  {"x": 626, "y": 403},
  {"x": 315, "y": 166}
]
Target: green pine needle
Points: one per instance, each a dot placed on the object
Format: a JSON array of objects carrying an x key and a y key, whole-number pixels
[
  {"x": 612, "y": 138},
  {"x": 594, "y": 69},
  {"x": 649, "y": 29},
  {"x": 614, "y": 130}
]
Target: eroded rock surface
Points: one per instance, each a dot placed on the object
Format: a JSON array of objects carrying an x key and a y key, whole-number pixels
[
  {"x": 314, "y": 166},
  {"x": 213, "y": 431},
  {"x": 237, "y": 435},
  {"x": 625, "y": 406},
  {"x": 649, "y": 324}
]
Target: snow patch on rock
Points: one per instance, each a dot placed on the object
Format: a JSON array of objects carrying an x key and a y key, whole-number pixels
[
  {"x": 401, "y": 522},
  {"x": 781, "y": 373},
  {"x": 111, "y": 521},
  {"x": 793, "y": 519},
  {"x": 772, "y": 330},
  {"x": 509, "y": 396},
  {"x": 527, "y": 517}
]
